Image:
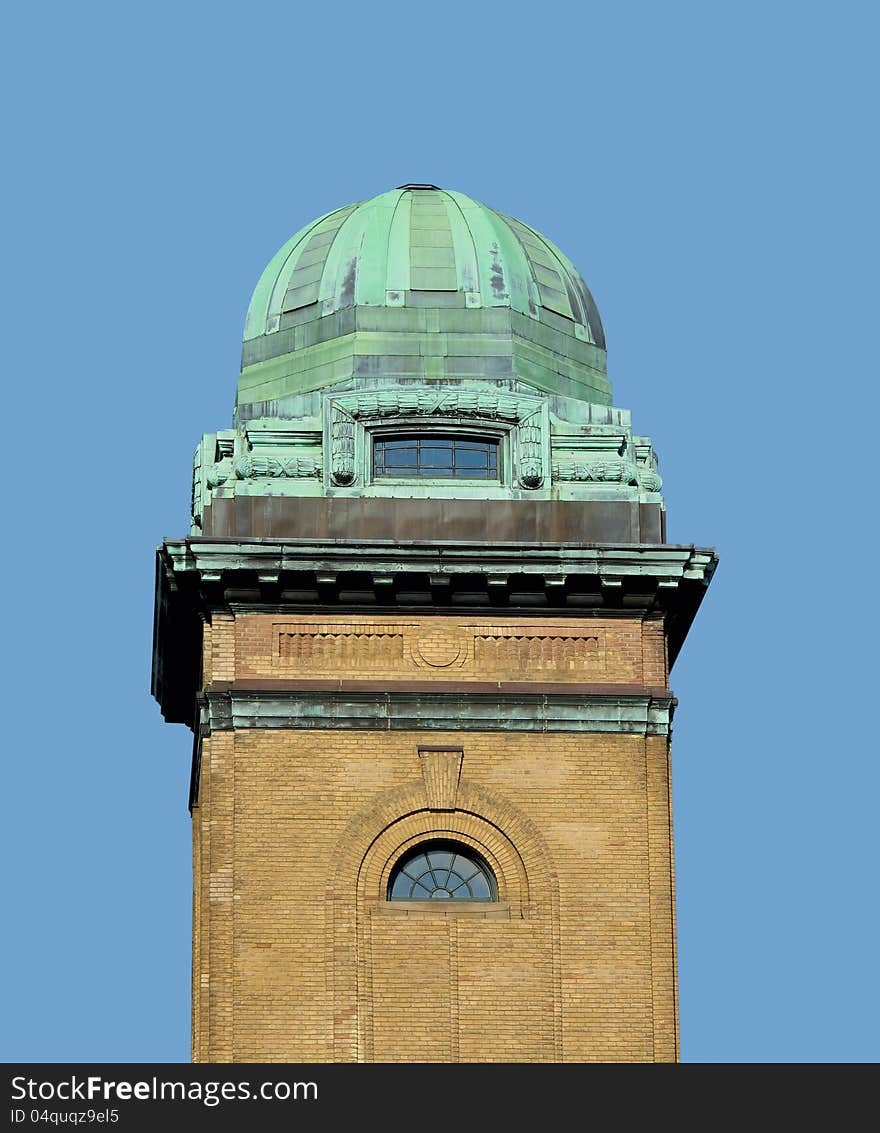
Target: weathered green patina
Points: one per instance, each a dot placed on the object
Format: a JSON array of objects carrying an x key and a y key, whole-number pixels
[{"x": 423, "y": 284}]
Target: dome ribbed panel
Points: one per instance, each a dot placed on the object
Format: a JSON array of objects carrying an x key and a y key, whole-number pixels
[
  {"x": 544, "y": 268},
  {"x": 587, "y": 302},
  {"x": 397, "y": 274},
  {"x": 504, "y": 276},
  {"x": 371, "y": 266},
  {"x": 305, "y": 279},
  {"x": 463, "y": 244},
  {"x": 260, "y": 308},
  {"x": 431, "y": 251}
]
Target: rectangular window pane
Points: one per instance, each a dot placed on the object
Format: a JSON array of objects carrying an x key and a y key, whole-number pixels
[
  {"x": 397, "y": 457},
  {"x": 470, "y": 458},
  {"x": 434, "y": 457}
]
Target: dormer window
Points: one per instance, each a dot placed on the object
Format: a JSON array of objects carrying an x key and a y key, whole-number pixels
[{"x": 436, "y": 456}]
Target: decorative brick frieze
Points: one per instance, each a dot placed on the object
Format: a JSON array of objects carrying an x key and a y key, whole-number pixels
[
  {"x": 329, "y": 647},
  {"x": 568, "y": 651}
]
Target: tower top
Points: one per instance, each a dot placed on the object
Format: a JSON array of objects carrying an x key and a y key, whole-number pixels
[{"x": 424, "y": 348}]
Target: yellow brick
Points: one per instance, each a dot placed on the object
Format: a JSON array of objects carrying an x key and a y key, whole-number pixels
[{"x": 298, "y": 957}]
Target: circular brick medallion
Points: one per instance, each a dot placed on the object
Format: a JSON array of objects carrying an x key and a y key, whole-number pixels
[{"x": 439, "y": 650}]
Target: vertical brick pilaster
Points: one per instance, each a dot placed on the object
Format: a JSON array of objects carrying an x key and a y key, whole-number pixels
[
  {"x": 206, "y": 660},
  {"x": 196, "y": 1034},
  {"x": 655, "y": 670},
  {"x": 220, "y": 897},
  {"x": 222, "y": 647},
  {"x": 663, "y": 960}
]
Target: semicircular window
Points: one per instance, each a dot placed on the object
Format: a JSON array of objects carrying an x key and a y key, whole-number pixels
[
  {"x": 442, "y": 871},
  {"x": 431, "y": 455}
]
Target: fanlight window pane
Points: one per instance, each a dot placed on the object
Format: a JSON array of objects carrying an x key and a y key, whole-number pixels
[
  {"x": 442, "y": 871},
  {"x": 480, "y": 888},
  {"x": 474, "y": 458}
]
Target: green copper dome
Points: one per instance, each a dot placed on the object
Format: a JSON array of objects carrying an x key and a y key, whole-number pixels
[
  {"x": 420, "y": 238},
  {"x": 386, "y": 287}
]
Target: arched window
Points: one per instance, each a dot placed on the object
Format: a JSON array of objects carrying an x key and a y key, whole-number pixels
[
  {"x": 435, "y": 455},
  {"x": 442, "y": 871}
]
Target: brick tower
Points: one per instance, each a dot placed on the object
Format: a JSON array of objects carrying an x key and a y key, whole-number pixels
[{"x": 422, "y": 632}]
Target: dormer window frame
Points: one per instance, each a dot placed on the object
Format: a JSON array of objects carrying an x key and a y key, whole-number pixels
[{"x": 352, "y": 421}]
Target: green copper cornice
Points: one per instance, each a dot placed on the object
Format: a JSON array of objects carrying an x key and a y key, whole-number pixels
[{"x": 361, "y": 705}]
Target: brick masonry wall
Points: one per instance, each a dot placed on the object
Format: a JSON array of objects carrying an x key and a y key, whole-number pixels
[{"x": 297, "y": 955}]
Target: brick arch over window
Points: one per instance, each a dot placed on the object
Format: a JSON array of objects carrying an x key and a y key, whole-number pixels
[{"x": 396, "y": 821}]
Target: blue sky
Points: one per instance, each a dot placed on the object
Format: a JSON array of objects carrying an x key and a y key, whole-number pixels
[{"x": 712, "y": 171}]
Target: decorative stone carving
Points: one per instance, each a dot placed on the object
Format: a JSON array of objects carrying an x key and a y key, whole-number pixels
[
  {"x": 218, "y": 474},
  {"x": 601, "y": 471},
  {"x": 531, "y": 464},
  {"x": 342, "y": 468},
  {"x": 649, "y": 478},
  {"x": 427, "y": 402},
  {"x": 254, "y": 467}
]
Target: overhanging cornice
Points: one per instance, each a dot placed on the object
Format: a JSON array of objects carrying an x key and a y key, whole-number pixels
[
  {"x": 272, "y": 556},
  {"x": 198, "y": 576}
]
